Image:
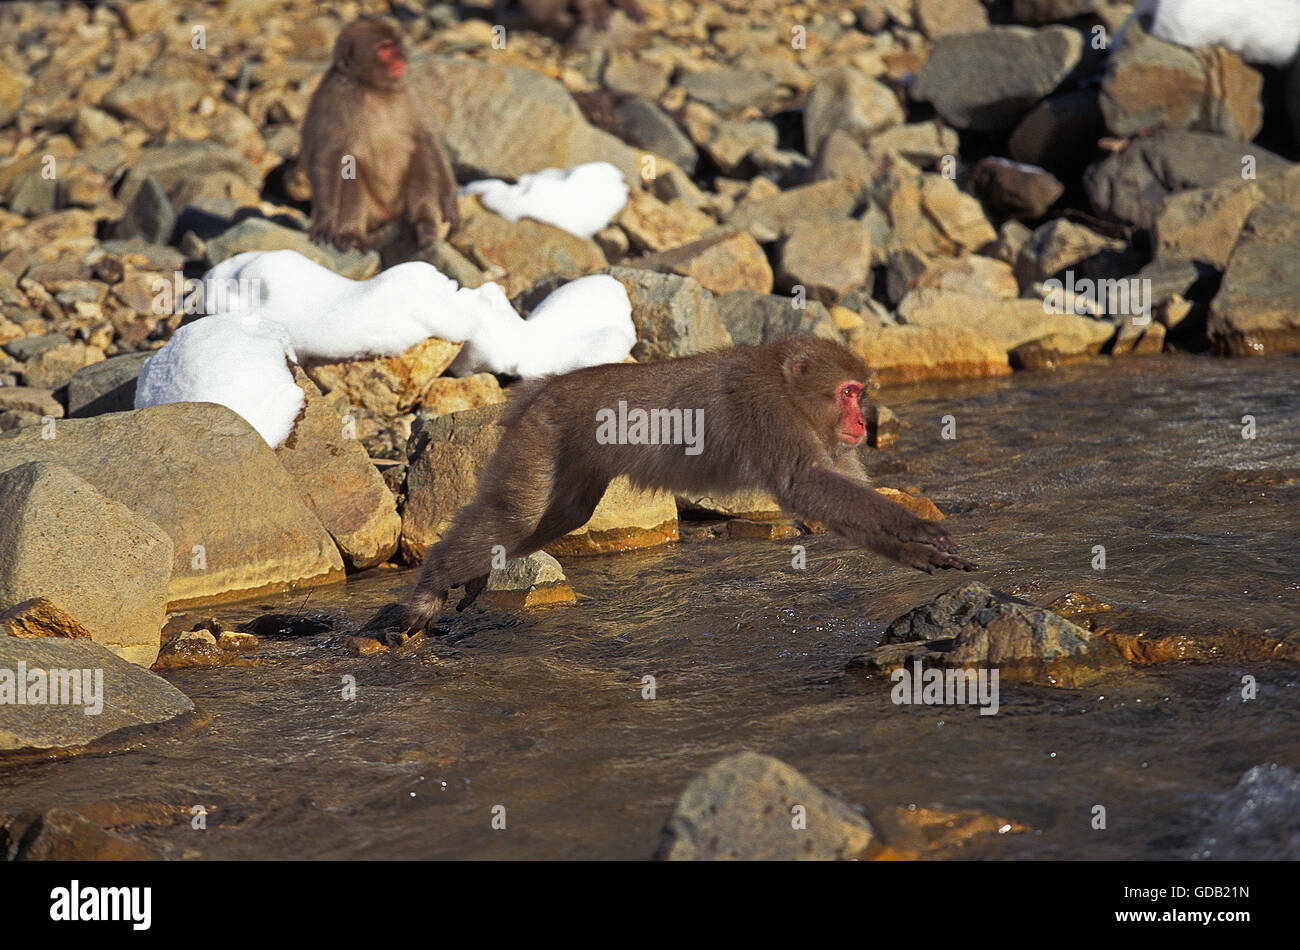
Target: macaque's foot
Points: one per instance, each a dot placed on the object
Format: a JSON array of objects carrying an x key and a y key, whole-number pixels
[
  {"x": 423, "y": 612},
  {"x": 472, "y": 590},
  {"x": 925, "y": 557}
]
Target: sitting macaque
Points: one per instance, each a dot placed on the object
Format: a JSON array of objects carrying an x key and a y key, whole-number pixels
[
  {"x": 785, "y": 417},
  {"x": 370, "y": 149}
]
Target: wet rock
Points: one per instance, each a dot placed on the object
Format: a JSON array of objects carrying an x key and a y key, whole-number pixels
[
  {"x": 61, "y": 834},
  {"x": 107, "y": 386},
  {"x": 752, "y": 807},
  {"x": 827, "y": 259},
  {"x": 744, "y": 529},
  {"x": 40, "y": 617},
  {"x": 1203, "y": 224},
  {"x": 918, "y": 505},
  {"x": 1017, "y": 67},
  {"x": 387, "y": 385},
  {"x": 259, "y": 234},
  {"x": 131, "y": 696},
  {"x": 96, "y": 558},
  {"x": 526, "y": 582},
  {"x": 1143, "y": 637},
  {"x": 1015, "y": 189},
  {"x": 1257, "y": 309},
  {"x": 338, "y": 482},
  {"x": 242, "y": 526},
  {"x": 507, "y": 121},
  {"x": 626, "y": 519},
  {"x": 192, "y": 648},
  {"x": 526, "y": 251},
  {"x": 1151, "y": 84},
  {"x": 972, "y": 626},
  {"x": 852, "y": 102},
  {"x": 1258, "y": 820},
  {"x": 1131, "y": 185},
  {"x": 647, "y": 126},
  {"x": 752, "y": 318},
  {"x": 674, "y": 316},
  {"x": 447, "y": 394},
  {"x": 907, "y": 354},
  {"x": 913, "y": 832}
]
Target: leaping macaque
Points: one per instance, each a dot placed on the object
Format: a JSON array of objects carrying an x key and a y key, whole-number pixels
[
  {"x": 785, "y": 417},
  {"x": 369, "y": 146}
]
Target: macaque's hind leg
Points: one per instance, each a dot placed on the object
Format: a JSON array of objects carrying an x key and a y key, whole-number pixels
[{"x": 472, "y": 590}]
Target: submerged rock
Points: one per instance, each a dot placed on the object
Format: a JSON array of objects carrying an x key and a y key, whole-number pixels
[
  {"x": 972, "y": 626},
  {"x": 752, "y": 807}
]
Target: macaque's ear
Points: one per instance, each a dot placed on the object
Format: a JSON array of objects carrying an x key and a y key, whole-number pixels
[{"x": 796, "y": 365}]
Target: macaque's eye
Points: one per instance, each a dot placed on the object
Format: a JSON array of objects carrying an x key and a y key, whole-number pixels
[{"x": 851, "y": 392}]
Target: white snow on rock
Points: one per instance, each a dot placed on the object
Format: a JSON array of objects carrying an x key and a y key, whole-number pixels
[
  {"x": 278, "y": 306},
  {"x": 1260, "y": 31},
  {"x": 581, "y": 200}
]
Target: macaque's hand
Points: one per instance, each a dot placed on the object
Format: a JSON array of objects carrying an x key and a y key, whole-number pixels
[
  {"x": 429, "y": 233},
  {"x": 351, "y": 238}
]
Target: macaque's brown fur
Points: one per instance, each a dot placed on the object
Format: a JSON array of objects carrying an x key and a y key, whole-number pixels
[
  {"x": 785, "y": 417},
  {"x": 365, "y": 108}
]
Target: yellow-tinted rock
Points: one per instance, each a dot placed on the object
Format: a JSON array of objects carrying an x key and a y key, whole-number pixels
[
  {"x": 388, "y": 385},
  {"x": 624, "y": 520},
  {"x": 918, "y": 505},
  {"x": 451, "y": 394},
  {"x": 909, "y": 354}
]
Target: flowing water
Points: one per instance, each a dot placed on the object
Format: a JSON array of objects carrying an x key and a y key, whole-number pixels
[{"x": 542, "y": 712}]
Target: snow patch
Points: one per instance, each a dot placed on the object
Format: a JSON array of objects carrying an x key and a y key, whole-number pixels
[
  {"x": 581, "y": 200},
  {"x": 292, "y": 308}
]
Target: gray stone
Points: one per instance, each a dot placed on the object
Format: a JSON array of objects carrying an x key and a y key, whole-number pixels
[
  {"x": 753, "y": 318},
  {"x": 674, "y": 316},
  {"x": 107, "y": 386}
]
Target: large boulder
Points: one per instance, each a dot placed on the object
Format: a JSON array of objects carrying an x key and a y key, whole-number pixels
[
  {"x": 626, "y": 519},
  {"x": 507, "y": 121},
  {"x": 909, "y": 354},
  {"x": 1131, "y": 185},
  {"x": 97, "y": 559},
  {"x": 1010, "y": 322},
  {"x": 238, "y": 523},
  {"x": 1016, "y": 68},
  {"x": 128, "y": 697},
  {"x": 1151, "y": 84},
  {"x": 753, "y": 318}
]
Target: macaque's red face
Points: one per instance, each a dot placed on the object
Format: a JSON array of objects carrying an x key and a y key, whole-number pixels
[
  {"x": 389, "y": 54},
  {"x": 853, "y": 426}
]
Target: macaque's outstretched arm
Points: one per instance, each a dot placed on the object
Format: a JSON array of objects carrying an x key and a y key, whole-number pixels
[{"x": 856, "y": 511}]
